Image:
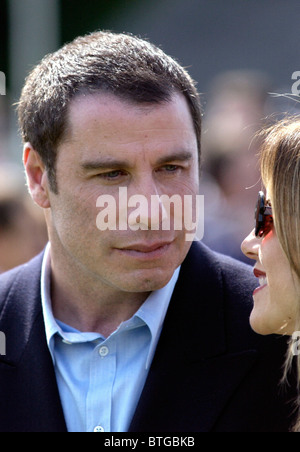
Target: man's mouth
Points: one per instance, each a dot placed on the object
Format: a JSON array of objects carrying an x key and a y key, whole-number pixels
[{"x": 144, "y": 250}]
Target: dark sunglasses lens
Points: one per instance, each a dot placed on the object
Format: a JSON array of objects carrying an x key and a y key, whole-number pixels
[
  {"x": 266, "y": 228},
  {"x": 259, "y": 216},
  {"x": 263, "y": 221}
]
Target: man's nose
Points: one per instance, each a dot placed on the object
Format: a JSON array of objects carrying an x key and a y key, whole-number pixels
[
  {"x": 250, "y": 246},
  {"x": 145, "y": 205}
]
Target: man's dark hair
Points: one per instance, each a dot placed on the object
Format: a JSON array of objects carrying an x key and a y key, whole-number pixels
[{"x": 125, "y": 65}]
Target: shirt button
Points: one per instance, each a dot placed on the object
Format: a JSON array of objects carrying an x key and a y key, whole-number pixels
[
  {"x": 98, "y": 429},
  {"x": 103, "y": 351}
]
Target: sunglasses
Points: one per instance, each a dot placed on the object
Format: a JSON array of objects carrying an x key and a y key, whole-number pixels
[{"x": 263, "y": 216}]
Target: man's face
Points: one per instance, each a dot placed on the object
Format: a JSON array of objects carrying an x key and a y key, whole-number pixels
[{"x": 148, "y": 149}]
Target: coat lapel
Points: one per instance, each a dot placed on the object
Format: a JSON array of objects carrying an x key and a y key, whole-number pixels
[
  {"x": 30, "y": 399},
  {"x": 192, "y": 377}
]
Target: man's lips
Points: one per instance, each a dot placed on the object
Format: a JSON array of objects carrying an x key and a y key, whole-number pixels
[
  {"x": 262, "y": 277},
  {"x": 145, "y": 250}
]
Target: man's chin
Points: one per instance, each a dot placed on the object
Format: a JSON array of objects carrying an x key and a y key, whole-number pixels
[{"x": 149, "y": 282}]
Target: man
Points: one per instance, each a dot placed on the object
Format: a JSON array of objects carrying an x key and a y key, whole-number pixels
[{"x": 127, "y": 328}]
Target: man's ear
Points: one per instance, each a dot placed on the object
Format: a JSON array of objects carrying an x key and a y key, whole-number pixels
[{"x": 36, "y": 175}]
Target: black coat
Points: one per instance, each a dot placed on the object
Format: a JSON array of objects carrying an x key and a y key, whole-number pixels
[{"x": 210, "y": 371}]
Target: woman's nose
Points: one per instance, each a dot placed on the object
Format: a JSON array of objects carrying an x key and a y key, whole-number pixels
[{"x": 250, "y": 246}]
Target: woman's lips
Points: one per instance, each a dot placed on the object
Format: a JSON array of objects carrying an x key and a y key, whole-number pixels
[{"x": 262, "y": 278}]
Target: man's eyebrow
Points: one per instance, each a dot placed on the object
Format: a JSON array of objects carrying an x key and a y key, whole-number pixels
[
  {"x": 92, "y": 165},
  {"x": 181, "y": 156},
  {"x": 104, "y": 164}
]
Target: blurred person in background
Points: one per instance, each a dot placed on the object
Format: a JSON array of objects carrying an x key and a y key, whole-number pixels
[
  {"x": 23, "y": 231},
  {"x": 236, "y": 107}
]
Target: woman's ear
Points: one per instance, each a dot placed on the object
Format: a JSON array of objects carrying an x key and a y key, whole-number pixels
[{"x": 36, "y": 174}]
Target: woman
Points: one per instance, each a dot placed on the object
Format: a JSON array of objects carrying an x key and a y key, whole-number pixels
[{"x": 275, "y": 242}]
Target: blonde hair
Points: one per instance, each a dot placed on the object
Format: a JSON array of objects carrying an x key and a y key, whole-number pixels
[{"x": 280, "y": 170}]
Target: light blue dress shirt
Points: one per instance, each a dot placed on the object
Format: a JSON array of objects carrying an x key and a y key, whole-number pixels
[{"x": 100, "y": 379}]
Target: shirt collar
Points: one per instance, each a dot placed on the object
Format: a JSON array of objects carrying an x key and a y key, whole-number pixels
[{"x": 152, "y": 312}]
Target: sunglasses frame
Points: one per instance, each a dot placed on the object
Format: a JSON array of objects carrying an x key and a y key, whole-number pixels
[{"x": 261, "y": 212}]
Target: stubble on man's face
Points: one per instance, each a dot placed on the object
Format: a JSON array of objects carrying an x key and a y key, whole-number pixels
[{"x": 150, "y": 150}]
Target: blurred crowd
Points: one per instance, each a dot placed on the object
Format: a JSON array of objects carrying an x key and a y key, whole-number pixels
[
  {"x": 22, "y": 227},
  {"x": 235, "y": 108}
]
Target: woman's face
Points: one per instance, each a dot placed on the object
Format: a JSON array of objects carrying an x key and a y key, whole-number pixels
[{"x": 277, "y": 297}]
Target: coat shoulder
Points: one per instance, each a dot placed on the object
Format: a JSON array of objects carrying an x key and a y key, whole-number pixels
[
  {"x": 20, "y": 280},
  {"x": 224, "y": 288},
  {"x": 234, "y": 276}
]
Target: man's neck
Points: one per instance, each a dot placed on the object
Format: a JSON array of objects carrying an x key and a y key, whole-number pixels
[{"x": 85, "y": 303}]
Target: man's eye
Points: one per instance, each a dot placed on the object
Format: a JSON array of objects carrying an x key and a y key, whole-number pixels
[
  {"x": 170, "y": 168},
  {"x": 111, "y": 175}
]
